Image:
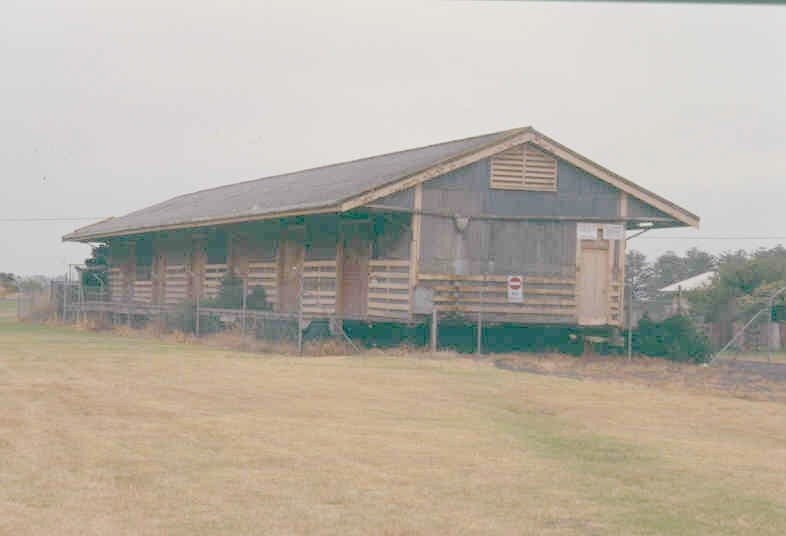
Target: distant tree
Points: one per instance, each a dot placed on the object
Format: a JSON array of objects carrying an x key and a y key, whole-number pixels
[
  {"x": 745, "y": 282},
  {"x": 671, "y": 267},
  {"x": 638, "y": 273},
  {"x": 733, "y": 256},
  {"x": 96, "y": 267},
  {"x": 667, "y": 269},
  {"x": 698, "y": 261}
]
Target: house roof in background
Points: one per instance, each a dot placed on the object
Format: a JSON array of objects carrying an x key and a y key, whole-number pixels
[
  {"x": 692, "y": 283},
  {"x": 332, "y": 188}
]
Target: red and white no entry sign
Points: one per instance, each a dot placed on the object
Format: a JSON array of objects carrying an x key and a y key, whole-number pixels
[{"x": 515, "y": 288}]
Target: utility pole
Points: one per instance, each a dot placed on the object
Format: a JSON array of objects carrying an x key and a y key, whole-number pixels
[{"x": 631, "y": 293}]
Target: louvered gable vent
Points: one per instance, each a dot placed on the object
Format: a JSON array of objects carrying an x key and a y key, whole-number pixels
[{"x": 524, "y": 168}]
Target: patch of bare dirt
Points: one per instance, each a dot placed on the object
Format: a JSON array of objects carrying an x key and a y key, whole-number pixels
[{"x": 740, "y": 378}]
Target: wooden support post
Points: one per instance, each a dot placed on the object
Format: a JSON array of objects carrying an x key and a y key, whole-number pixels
[
  {"x": 414, "y": 245},
  {"x": 244, "y": 304},
  {"x": 300, "y": 314},
  {"x": 130, "y": 279},
  {"x": 434, "y": 330},
  {"x": 129, "y": 298},
  {"x": 337, "y": 324},
  {"x": 624, "y": 213},
  {"x": 479, "y": 346}
]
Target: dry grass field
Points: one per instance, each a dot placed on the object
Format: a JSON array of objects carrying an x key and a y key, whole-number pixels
[{"x": 101, "y": 434}]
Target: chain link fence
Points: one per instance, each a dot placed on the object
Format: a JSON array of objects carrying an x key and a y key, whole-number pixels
[
  {"x": 761, "y": 328},
  {"x": 240, "y": 316},
  {"x": 232, "y": 314}
]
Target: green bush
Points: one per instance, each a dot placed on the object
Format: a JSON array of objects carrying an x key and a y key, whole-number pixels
[
  {"x": 184, "y": 319},
  {"x": 676, "y": 338},
  {"x": 230, "y": 296}
]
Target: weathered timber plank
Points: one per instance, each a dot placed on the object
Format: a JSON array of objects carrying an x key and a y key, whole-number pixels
[
  {"x": 391, "y": 286},
  {"x": 542, "y": 311},
  {"x": 319, "y": 264},
  {"x": 388, "y": 305},
  {"x": 388, "y": 263},
  {"x": 389, "y": 275},
  {"x": 452, "y": 277},
  {"x": 383, "y": 296},
  {"x": 491, "y": 300}
]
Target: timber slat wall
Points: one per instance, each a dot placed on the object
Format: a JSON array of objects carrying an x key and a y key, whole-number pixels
[
  {"x": 265, "y": 275},
  {"x": 389, "y": 289},
  {"x": 143, "y": 292},
  {"x": 319, "y": 287},
  {"x": 175, "y": 284},
  {"x": 547, "y": 297},
  {"x": 214, "y": 273},
  {"x": 615, "y": 303},
  {"x": 117, "y": 288}
]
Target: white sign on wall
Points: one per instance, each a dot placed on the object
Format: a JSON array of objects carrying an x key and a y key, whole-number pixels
[
  {"x": 515, "y": 289},
  {"x": 613, "y": 231},
  {"x": 587, "y": 231}
]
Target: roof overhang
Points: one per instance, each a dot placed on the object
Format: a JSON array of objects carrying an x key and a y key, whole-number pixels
[
  {"x": 83, "y": 235},
  {"x": 516, "y": 137}
]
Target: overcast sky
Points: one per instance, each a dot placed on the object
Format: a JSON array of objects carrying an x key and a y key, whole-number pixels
[{"x": 109, "y": 110}]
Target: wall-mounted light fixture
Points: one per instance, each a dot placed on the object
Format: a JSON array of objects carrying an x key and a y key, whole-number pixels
[{"x": 461, "y": 222}]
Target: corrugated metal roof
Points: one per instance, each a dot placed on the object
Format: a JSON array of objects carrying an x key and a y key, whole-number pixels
[{"x": 309, "y": 189}]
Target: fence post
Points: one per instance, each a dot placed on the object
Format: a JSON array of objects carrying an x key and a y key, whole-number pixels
[
  {"x": 129, "y": 298},
  {"x": 65, "y": 298},
  {"x": 82, "y": 298},
  {"x": 630, "y": 322},
  {"x": 434, "y": 329},
  {"x": 196, "y": 320},
  {"x": 479, "y": 349}
]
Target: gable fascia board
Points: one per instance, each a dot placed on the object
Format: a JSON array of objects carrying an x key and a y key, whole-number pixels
[
  {"x": 440, "y": 168},
  {"x": 621, "y": 183}
]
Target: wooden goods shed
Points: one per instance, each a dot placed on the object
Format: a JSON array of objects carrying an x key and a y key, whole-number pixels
[{"x": 393, "y": 237}]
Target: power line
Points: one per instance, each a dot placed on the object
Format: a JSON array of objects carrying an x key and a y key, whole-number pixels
[
  {"x": 710, "y": 2},
  {"x": 713, "y": 238},
  {"x": 85, "y": 218}
]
